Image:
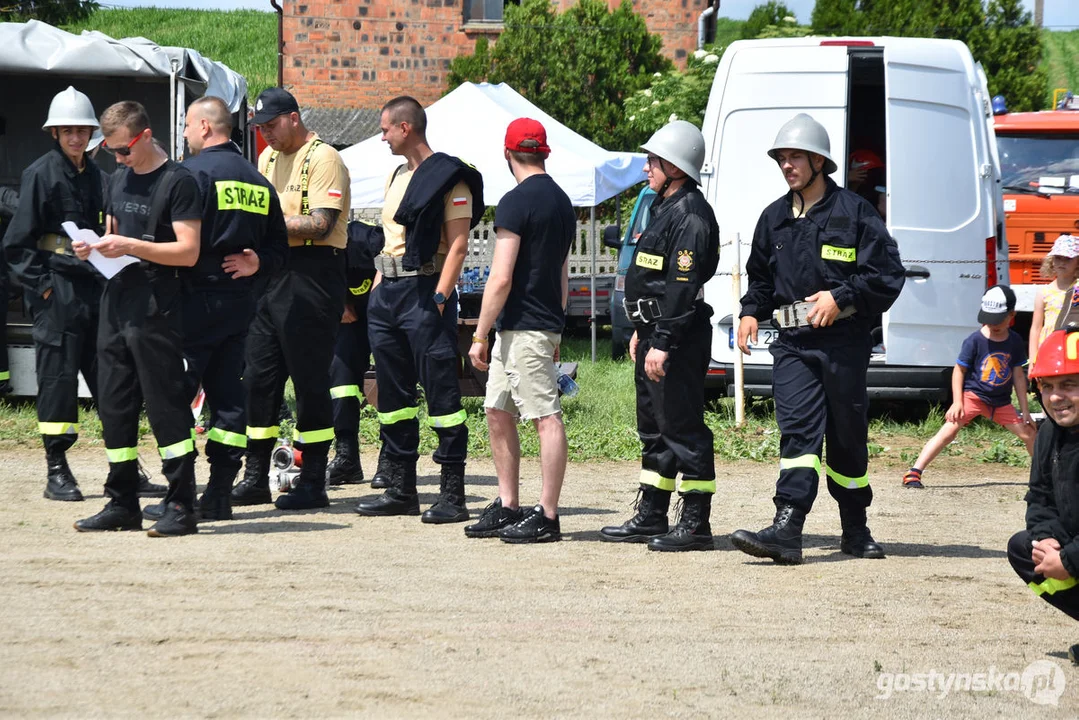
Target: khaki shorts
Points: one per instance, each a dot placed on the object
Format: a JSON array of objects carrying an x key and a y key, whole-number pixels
[{"x": 523, "y": 380}]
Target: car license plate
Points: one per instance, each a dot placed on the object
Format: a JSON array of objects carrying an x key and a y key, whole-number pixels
[{"x": 765, "y": 337}]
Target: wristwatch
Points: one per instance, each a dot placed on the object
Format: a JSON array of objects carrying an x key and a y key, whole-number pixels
[{"x": 440, "y": 299}]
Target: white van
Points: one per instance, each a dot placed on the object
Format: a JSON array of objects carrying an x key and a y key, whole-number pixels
[{"x": 924, "y": 106}]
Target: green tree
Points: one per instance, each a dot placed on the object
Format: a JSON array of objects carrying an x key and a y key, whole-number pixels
[
  {"x": 674, "y": 95},
  {"x": 1010, "y": 50},
  {"x": 53, "y": 12},
  {"x": 837, "y": 17},
  {"x": 578, "y": 66},
  {"x": 770, "y": 13}
]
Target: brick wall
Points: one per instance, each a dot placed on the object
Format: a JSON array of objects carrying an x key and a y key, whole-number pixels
[{"x": 360, "y": 53}]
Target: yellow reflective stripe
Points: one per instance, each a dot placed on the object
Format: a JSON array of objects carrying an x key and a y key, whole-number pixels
[
  {"x": 848, "y": 482},
  {"x": 263, "y": 433},
  {"x": 119, "y": 455},
  {"x": 178, "y": 449},
  {"x": 652, "y": 262},
  {"x": 700, "y": 486},
  {"x": 5, "y": 375},
  {"x": 236, "y": 195},
  {"x": 396, "y": 416},
  {"x": 805, "y": 461},
  {"x": 650, "y": 477},
  {"x": 341, "y": 391},
  {"x": 313, "y": 436},
  {"x": 840, "y": 254},
  {"x": 1051, "y": 585},
  {"x": 58, "y": 428},
  {"x": 451, "y": 420},
  {"x": 362, "y": 289},
  {"x": 226, "y": 437}
]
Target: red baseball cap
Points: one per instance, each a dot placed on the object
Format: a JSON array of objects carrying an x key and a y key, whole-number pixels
[{"x": 526, "y": 135}]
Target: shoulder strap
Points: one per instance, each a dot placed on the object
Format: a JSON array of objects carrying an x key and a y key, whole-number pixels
[
  {"x": 305, "y": 204},
  {"x": 158, "y": 200},
  {"x": 268, "y": 172}
]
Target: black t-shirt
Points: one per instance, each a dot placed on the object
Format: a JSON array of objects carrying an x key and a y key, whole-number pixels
[
  {"x": 131, "y": 194},
  {"x": 542, "y": 214}
]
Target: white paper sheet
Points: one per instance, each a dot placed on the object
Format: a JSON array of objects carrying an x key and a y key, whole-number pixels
[{"x": 106, "y": 266}]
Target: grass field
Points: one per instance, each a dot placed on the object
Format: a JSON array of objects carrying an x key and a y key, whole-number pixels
[{"x": 1062, "y": 61}]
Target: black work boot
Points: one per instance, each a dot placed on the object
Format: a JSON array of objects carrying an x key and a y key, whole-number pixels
[
  {"x": 400, "y": 497},
  {"x": 61, "y": 484},
  {"x": 693, "y": 531},
  {"x": 649, "y": 521},
  {"x": 450, "y": 507},
  {"x": 381, "y": 479},
  {"x": 216, "y": 500},
  {"x": 310, "y": 491},
  {"x": 345, "y": 468},
  {"x": 856, "y": 539},
  {"x": 115, "y": 516},
  {"x": 178, "y": 520},
  {"x": 149, "y": 489},
  {"x": 781, "y": 541},
  {"x": 155, "y": 511},
  {"x": 254, "y": 489}
]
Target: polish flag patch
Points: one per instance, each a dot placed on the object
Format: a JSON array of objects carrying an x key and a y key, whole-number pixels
[
  {"x": 460, "y": 201},
  {"x": 336, "y": 194}
]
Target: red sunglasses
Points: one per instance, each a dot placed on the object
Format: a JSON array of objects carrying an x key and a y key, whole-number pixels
[{"x": 125, "y": 151}]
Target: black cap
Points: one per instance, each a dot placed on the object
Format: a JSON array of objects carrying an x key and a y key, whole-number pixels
[
  {"x": 997, "y": 303},
  {"x": 273, "y": 102}
]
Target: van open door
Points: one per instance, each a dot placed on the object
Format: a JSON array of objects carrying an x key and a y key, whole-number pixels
[{"x": 938, "y": 208}]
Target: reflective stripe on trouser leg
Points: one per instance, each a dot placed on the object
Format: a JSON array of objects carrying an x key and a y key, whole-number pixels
[
  {"x": 847, "y": 483},
  {"x": 227, "y": 437},
  {"x": 345, "y": 391},
  {"x": 178, "y": 449},
  {"x": 697, "y": 486},
  {"x": 58, "y": 428},
  {"x": 447, "y": 421},
  {"x": 1061, "y": 594},
  {"x": 264, "y": 433},
  {"x": 306, "y": 437},
  {"x": 650, "y": 477}
]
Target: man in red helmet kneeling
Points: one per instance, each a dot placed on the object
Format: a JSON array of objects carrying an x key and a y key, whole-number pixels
[{"x": 1046, "y": 554}]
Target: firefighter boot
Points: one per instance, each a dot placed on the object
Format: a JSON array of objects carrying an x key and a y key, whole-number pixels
[
  {"x": 345, "y": 468},
  {"x": 400, "y": 497},
  {"x": 781, "y": 541},
  {"x": 856, "y": 539},
  {"x": 310, "y": 492},
  {"x": 693, "y": 531},
  {"x": 216, "y": 500},
  {"x": 450, "y": 507},
  {"x": 254, "y": 488},
  {"x": 381, "y": 479},
  {"x": 650, "y": 520},
  {"x": 61, "y": 483}
]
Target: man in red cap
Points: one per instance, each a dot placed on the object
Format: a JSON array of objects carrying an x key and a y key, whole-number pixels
[
  {"x": 1046, "y": 554},
  {"x": 525, "y": 301}
]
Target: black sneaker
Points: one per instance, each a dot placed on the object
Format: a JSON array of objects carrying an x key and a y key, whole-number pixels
[
  {"x": 176, "y": 521},
  {"x": 114, "y": 517},
  {"x": 534, "y": 527},
  {"x": 493, "y": 520},
  {"x": 155, "y": 512},
  {"x": 148, "y": 489}
]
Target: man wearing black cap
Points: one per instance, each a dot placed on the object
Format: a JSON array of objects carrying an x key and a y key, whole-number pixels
[
  {"x": 296, "y": 320},
  {"x": 431, "y": 204},
  {"x": 525, "y": 300}
]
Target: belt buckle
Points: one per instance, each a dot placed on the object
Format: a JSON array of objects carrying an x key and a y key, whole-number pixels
[
  {"x": 428, "y": 268},
  {"x": 649, "y": 309}
]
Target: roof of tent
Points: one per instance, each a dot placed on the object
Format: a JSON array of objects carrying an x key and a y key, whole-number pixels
[
  {"x": 470, "y": 123},
  {"x": 37, "y": 47}
]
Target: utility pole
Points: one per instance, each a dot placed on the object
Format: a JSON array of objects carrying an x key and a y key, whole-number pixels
[{"x": 1039, "y": 12}]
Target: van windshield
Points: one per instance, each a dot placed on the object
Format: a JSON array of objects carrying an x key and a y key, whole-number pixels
[{"x": 1024, "y": 159}]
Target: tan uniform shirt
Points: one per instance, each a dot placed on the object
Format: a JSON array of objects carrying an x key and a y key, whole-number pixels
[
  {"x": 457, "y": 204},
  {"x": 327, "y": 187}
]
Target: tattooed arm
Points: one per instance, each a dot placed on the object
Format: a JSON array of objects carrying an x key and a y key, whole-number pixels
[{"x": 315, "y": 226}]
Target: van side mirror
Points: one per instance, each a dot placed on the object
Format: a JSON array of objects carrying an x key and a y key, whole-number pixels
[{"x": 611, "y": 237}]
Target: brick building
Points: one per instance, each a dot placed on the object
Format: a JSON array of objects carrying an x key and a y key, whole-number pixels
[{"x": 344, "y": 58}]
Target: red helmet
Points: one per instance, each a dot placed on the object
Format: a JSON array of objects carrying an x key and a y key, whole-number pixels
[
  {"x": 1058, "y": 355},
  {"x": 864, "y": 160}
]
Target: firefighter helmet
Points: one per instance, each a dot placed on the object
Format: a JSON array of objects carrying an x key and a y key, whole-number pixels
[
  {"x": 681, "y": 144},
  {"x": 70, "y": 108},
  {"x": 1058, "y": 355},
  {"x": 864, "y": 160},
  {"x": 802, "y": 132}
]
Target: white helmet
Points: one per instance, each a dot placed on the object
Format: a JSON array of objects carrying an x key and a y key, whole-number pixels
[
  {"x": 70, "y": 108},
  {"x": 95, "y": 140},
  {"x": 802, "y": 132},
  {"x": 681, "y": 144}
]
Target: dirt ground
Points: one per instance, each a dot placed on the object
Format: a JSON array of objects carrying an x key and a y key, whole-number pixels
[{"x": 332, "y": 614}]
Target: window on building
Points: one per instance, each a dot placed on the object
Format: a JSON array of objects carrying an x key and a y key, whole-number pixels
[{"x": 485, "y": 11}]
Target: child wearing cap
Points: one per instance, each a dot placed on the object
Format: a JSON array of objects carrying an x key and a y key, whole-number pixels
[
  {"x": 990, "y": 364},
  {"x": 1061, "y": 264}
]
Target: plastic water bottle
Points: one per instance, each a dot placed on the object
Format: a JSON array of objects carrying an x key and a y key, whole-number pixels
[{"x": 567, "y": 385}]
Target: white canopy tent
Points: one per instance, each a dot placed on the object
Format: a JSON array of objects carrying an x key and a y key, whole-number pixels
[{"x": 470, "y": 123}]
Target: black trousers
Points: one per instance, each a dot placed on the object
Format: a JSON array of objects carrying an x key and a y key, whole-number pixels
[
  {"x": 670, "y": 413},
  {"x": 65, "y": 342},
  {"x": 5, "y": 287},
  {"x": 351, "y": 359},
  {"x": 216, "y": 320},
  {"x": 820, "y": 394},
  {"x": 140, "y": 353},
  {"x": 1061, "y": 594},
  {"x": 293, "y": 334},
  {"x": 412, "y": 342}
]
